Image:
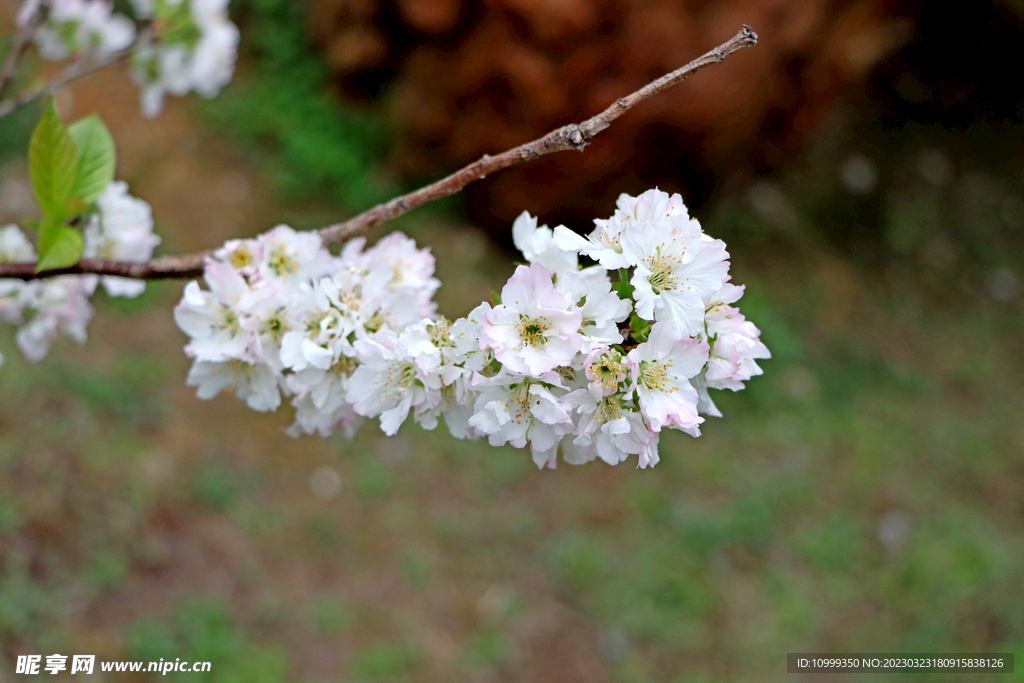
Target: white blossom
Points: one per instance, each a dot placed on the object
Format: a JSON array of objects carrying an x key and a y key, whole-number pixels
[
  {"x": 676, "y": 269},
  {"x": 387, "y": 382},
  {"x": 286, "y": 254},
  {"x": 602, "y": 244},
  {"x": 660, "y": 370},
  {"x": 601, "y": 309},
  {"x": 518, "y": 410},
  {"x": 323, "y": 316},
  {"x": 194, "y": 51},
  {"x": 14, "y": 246},
  {"x": 395, "y": 274},
  {"x": 214, "y": 318},
  {"x": 613, "y": 428},
  {"x": 42, "y": 309},
  {"x": 537, "y": 245},
  {"x": 121, "y": 230},
  {"x": 254, "y": 383},
  {"x": 78, "y": 26},
  {"x": 51, "y": 307}
]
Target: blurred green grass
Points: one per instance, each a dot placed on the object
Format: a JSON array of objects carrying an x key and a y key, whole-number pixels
[{"x": 848, "y": 501}]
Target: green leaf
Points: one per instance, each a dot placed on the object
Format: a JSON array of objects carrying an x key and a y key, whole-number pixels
[
  {"x": 59, "y": 245},
  {"x": 96, "y": 158},
  {"x": 52, "y": 161},
  {"x": 623, "y": 287},
  {"x": 639, "y": 328}
]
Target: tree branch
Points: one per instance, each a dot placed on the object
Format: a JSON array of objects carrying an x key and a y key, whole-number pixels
[
  {"x": 74, "y": 70},
  {"x": 573, "y": 136}
]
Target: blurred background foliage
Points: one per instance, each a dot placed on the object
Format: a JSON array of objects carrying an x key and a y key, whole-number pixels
[{"x": 864, "y": 164}]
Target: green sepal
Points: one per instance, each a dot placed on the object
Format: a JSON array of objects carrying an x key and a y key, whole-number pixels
[
  {"x": 639, "y": 329},
  {"x": 623, "y": 287}
]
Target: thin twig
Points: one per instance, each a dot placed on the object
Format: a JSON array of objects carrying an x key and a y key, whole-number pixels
[
  {"x": 573, "y": 136},
  {"x": 21, "y": 41},
  {"x": 74, "y": 70}
]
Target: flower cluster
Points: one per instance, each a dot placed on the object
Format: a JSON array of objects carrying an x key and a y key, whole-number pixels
[
  {"x": 188, "y": 45},
  {"x": 120, "y": 228},
  {"x": 193, "y": 49},
  {"x": 567, "y": 361},
  {"x": 281, "y": 315}
]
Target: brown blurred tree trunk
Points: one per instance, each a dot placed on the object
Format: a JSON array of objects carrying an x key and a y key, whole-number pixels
[{"x": 468, "y": 77}]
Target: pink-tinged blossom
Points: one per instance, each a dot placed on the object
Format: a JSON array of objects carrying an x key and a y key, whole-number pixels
[
  {"x": 705, "y": 406},
  {"x": 734, "y": 353},
  {"x": 536, "y": 327},
  {"x": 676, "y": 270},
  {"x": 660, "y": 370},
  {"x": 605, "y": 369},
  {"x": 650, "y": 206},
  {"x": 735, "y": 342}
]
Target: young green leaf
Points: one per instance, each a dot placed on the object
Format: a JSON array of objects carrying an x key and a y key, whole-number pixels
[
  {"x": 639, "y": 328},
  {"x": 96, "y": 157},
  {"x": 52, "y": 161},
  {"x": 59, "y": 245},
  {"x": 623, "y": 287}
]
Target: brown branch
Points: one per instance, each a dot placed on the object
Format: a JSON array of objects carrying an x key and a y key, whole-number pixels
[{"x": 573, "y": 136}]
